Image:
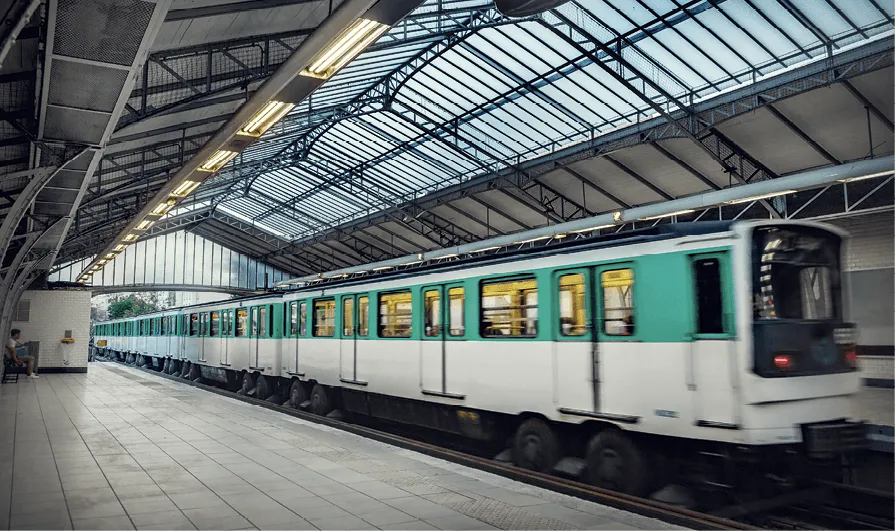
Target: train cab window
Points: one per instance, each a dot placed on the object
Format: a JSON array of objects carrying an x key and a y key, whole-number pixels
[
  {"x": 303, "y": 319},
  {"x": 572, "y": 312},
  {"x": 325, "y": 318},
  {"x": 432, "y": 317},
  {"x": 510, "y": 308},
  {"x": 293, "y": 319},
  {"x": 395, "y": 316},
  {"x": 215, "y": 329},
  {"x": 363, "y": 316},
  {"x": 242, "y": 315},
  {"x": 347, "y": 316},
  {"x": 194, "y": 324},
  {"x": 618, "y": 302},
  {"x": 456, "y": 312},
  {"x": 709, "y": 305}
]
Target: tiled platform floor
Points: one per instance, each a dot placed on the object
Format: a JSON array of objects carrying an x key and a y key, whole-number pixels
[
  {"x": 120, "y": 449},
  {"x": 876, "y": 406}
]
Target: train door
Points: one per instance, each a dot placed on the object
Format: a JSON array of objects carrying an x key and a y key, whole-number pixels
[
  {"x": 443, "y": 325},
  {"x": 297, "y": 318},
  {"x": 348, "y": 341},
  {"x": 712, "y": 375},
  {"x": 226, "y": 328},
  {"x": 257, "y": 322},
  {"x": 184, "y": 333},
  {"x": 574, "y": 347},
  {"x": 203, "y": 336}
]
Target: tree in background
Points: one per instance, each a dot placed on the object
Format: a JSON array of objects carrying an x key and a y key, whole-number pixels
[{"x": 134, "y": 305}]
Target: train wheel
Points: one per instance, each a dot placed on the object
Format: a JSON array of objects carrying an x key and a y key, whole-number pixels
[
  {"x": 185, "y": 370},
  {"x": 263, "y": 388},
  {"x": 320, "y": 403},
  {"x": 165, "y": 365},
  {"x": 195, "y": 373},
  {"x": 615, "y": 462},
  {"x": 298, "y": 393},
  {"x": 248, "y": 384},
  {"x": 536, "y": 446}
]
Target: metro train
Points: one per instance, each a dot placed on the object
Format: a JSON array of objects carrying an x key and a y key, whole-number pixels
[{"x": 679, "y": 351}]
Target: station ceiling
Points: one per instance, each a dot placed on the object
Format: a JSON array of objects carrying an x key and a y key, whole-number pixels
[{"x": 460, "y": 123}]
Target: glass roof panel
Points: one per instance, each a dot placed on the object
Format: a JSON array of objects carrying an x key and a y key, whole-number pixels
[{"x": 512, "y": 90}]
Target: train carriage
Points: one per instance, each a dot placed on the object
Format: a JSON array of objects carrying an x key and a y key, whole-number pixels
[{"x": 635, "y": 352}]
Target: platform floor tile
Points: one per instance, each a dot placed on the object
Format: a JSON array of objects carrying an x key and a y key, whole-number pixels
[{"x": 118, "y": 448}]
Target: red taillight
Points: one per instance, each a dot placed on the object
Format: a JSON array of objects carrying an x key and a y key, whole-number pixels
[
  {"x": 851, "y": 357},
  {"x": 782, "y": 361}
]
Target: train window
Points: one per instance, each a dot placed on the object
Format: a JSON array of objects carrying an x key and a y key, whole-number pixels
[
  {"x": 347, "y": 316},
  {"x": 395, "y": 317},
  {"x": 432, "y": 303},
  {"x": 215, "y": 329},
  {"x": 363, "y": 316},
  {"x": 510, "y": 308},
  {"x": 242, "y": 316},
  {"x": 259, "y": 321},
  {"x": 456, "y": 315},
  {"x": 572, "y": 312},
  {"x": 709, "y": 307},
  {"x": 203, "y": 324},
  {"x": 302, "y": 319},
  {"x": 293, "y": 319},
  {"x": 164, "y": 326},
  {"x": 618, "y": 302},
  {"x": 325, "y": 318},
  {"x": 194, "y": 324}
]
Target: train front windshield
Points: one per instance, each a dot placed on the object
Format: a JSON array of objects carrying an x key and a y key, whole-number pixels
[
  {"x": 798, "y": 274},
  {"x": 798, "y": 303}
]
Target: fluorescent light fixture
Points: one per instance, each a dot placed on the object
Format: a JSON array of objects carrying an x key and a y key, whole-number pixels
[
  {"x": 759, "y": 197},
  {"x": 145, "y": 224},
  {"x": 413, "y": 263},
  {"x": 162, "y": 208},
  {"x": 591, "y": 229},
  {"x": 616, "y": 216},
  {"x": 102, "y": 262},
  {"x": 863, "y": 177},
  {"x": 120, "y": 247},
  {"x": 668, "y": 215},
  {"x": 218, "y": 160},
  {"x": 559, "y": 236},
  {"x": 185, "y": 188},
  {"x": 111, "y": 256},
  {"x": 131, "y": 237},
  {"x": 264, "y": 119},
  {"x": 486, "y": 249},
  {"x": 452, "y": 255},
  {"x": 383, "y": 268},
  {"x": 539, "y": 238},
  {"x": 360, "y": 34}
]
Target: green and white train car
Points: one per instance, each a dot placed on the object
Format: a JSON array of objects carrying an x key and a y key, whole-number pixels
[{"x": 642, "y": 353}]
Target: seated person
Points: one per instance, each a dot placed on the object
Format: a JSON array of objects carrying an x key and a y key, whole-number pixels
[{"x": 18, "y": 353}]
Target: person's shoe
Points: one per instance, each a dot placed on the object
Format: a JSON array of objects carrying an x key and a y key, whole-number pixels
[{"x": 33, "y": 376}]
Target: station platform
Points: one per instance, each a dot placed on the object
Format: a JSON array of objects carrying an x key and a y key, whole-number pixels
[
  {"x": 118, "y": 448},
  {"x": 876, "y": 405}
]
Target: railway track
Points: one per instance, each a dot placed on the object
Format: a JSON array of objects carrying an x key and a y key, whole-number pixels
[{"x": 823, "y": 505}]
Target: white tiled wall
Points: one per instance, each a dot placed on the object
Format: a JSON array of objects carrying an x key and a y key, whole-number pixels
[
  {"x": 52, "y": 313},
  {"x": 872, "y": 244},
  {"x": 877, "y": 367}
]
